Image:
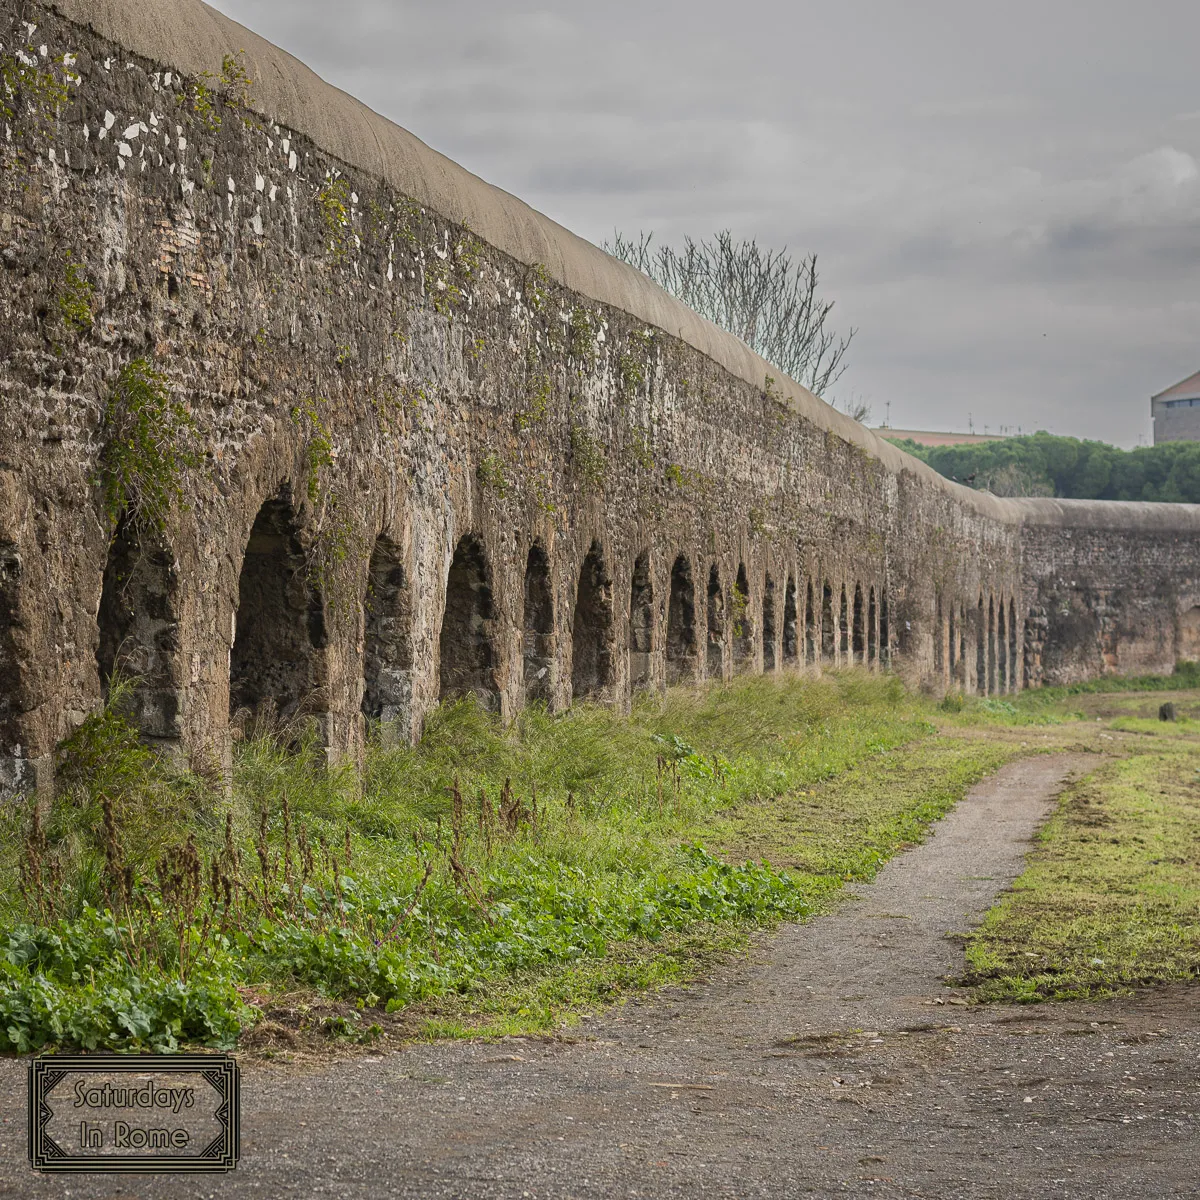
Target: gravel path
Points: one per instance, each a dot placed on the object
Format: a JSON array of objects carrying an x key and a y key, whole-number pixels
[{"x": 834, "y": 1062}]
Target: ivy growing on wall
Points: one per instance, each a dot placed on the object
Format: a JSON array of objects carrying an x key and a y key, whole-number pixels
[{"x": 149, "y": 442}]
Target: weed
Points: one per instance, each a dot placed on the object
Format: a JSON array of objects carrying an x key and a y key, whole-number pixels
[
  {"x": 30, "y": 89},
  {"x": 587, "y": 458},
  {"x": 632, "y": 372},
  {"x": 148, "y": 445},
  {"x": 490, "y": 473},
  {"x": 537, "y": 402},
  {"x": 333, "y": 203},
  {"x": 537, "y": 287},
  {"x": 75, "y": 296},
  {"x": 309, "y": 416},
  {"x": 582, "y": 334}
]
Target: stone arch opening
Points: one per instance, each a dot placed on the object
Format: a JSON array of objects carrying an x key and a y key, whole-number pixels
[
  {"x": 280, "y": 632},
  {"x": 859, "y": 642},
  {"x": 466, "y": 651},
  {"x": 1001, "y": 647},
  {"x": 791, "y": 648},
  {"x": 1014, "y": 671},
  {"x": 743, "y": 623},
  {"x": 681, "y": 623},
  {"x": 716, "y": 624},
  {"x": 981, "y": 649},
  {"x": 641, "y": 623},
  {"x": 885, "y": 630},
  {"x": 139, "y": 629},
  {"x": 537, "y": 628},
  {"x": 952, "y": 645},
  {"x": 387, "y": 636},
  {"x": 811, "y": 636},
  {"x": 768, "y": 624},
  {"x": 939, "y": 636},
  {"x": 991, "y": 645},
  {"x": 844, "y": 626},
  {"x": 591, "y": 629},
  {"x": 872, "y": 627},
  {"x": 828, "y": 630}
]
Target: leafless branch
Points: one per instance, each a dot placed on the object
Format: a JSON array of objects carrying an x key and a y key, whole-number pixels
[{"x": 764, "y": 297}]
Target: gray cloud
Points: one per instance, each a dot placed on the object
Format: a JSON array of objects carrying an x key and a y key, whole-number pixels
[{"x": 1005, "y": 200}]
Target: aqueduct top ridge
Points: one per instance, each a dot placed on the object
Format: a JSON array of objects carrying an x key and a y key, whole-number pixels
[{"x": 191, "y": 36}]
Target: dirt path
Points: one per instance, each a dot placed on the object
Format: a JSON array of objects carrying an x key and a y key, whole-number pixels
[{"x": 837, "y": 1063}]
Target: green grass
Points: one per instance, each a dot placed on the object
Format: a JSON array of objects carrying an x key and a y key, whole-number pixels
[
  {"x": 568, "y": 870},
  {"x": 1111, "y": 897},
  {"x": 498, "y": 880}
]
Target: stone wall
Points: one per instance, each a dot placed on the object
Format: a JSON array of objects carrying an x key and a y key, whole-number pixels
[{"x": 298, "y": 419}]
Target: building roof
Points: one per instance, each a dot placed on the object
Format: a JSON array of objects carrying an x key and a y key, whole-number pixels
[{"x": 1186, "y": 389}]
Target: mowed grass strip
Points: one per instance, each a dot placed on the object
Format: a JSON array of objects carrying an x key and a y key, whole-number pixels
[
  {"x": 1111, "y": 897},
  {"x": 841, "y": 830}
]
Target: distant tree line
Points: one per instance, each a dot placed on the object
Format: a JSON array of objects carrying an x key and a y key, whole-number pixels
[{"x": 1042, "y": 464}]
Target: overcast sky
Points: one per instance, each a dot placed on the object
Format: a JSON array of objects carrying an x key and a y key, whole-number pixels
[{"x": 1004, "y": 198}]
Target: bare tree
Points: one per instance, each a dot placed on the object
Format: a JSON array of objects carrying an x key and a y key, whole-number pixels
[{"x": 763, "y": 297}]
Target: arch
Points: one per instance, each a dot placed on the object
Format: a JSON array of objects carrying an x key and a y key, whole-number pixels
[
  {"x": 139, "y": 628},
  {"x": 537, "y": 628},
  {"x": 991, "y": 646},
  {"x": 768, "y": 624},
  {"x": 981, "y": 649},
  {"x": 951, "y": 646},
  {"x": 885, "y": 630},
  {"x": 828, "y": 632},
  {"x": 844, "y": 627},
  {"x": 715, "y": 609},
  {"x": 592, "y": 629},
  {"x": 681, "y": 623},
  {"x": 466, "y": 654},
  {"x": 939, "y": 635},
  {"x": 387, "y": 636},
  {"x": 872, "y": 627},
  {"x": 859, "y": 643},
  {"x": 791, "y": 650},
  {"x": 811, "y": 634},
  {"x": 1014, "y": 670},
  {"x": 280, "y": 629},
  {"x": 1001, "y": 649},
  {"x": 743, "y": 624},
  {"x": 641, "y": 623}
]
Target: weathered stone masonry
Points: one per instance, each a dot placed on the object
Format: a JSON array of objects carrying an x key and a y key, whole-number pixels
[{"x": 437, "y": 444}]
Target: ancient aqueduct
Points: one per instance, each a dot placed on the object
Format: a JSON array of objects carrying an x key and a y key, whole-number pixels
[{"x": 439, "y": 443}]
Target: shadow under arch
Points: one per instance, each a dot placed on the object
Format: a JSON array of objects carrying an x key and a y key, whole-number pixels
[
  {"x": 387, "y": 638},
  {"x": 715, "y": 656},
  {"x": 275, "y": 665},
  {"x": 592, "y": 629},
  {"x": 537, "y": 627},
  {"x": 466, "y": 654},
  {"x": 139, "y": 628},
  {"x": 681, "y": 623},
  {"x": 641, "y": 623}
]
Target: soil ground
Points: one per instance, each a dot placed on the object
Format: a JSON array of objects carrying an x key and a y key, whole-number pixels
[{"x": 833, "y": 1061}]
